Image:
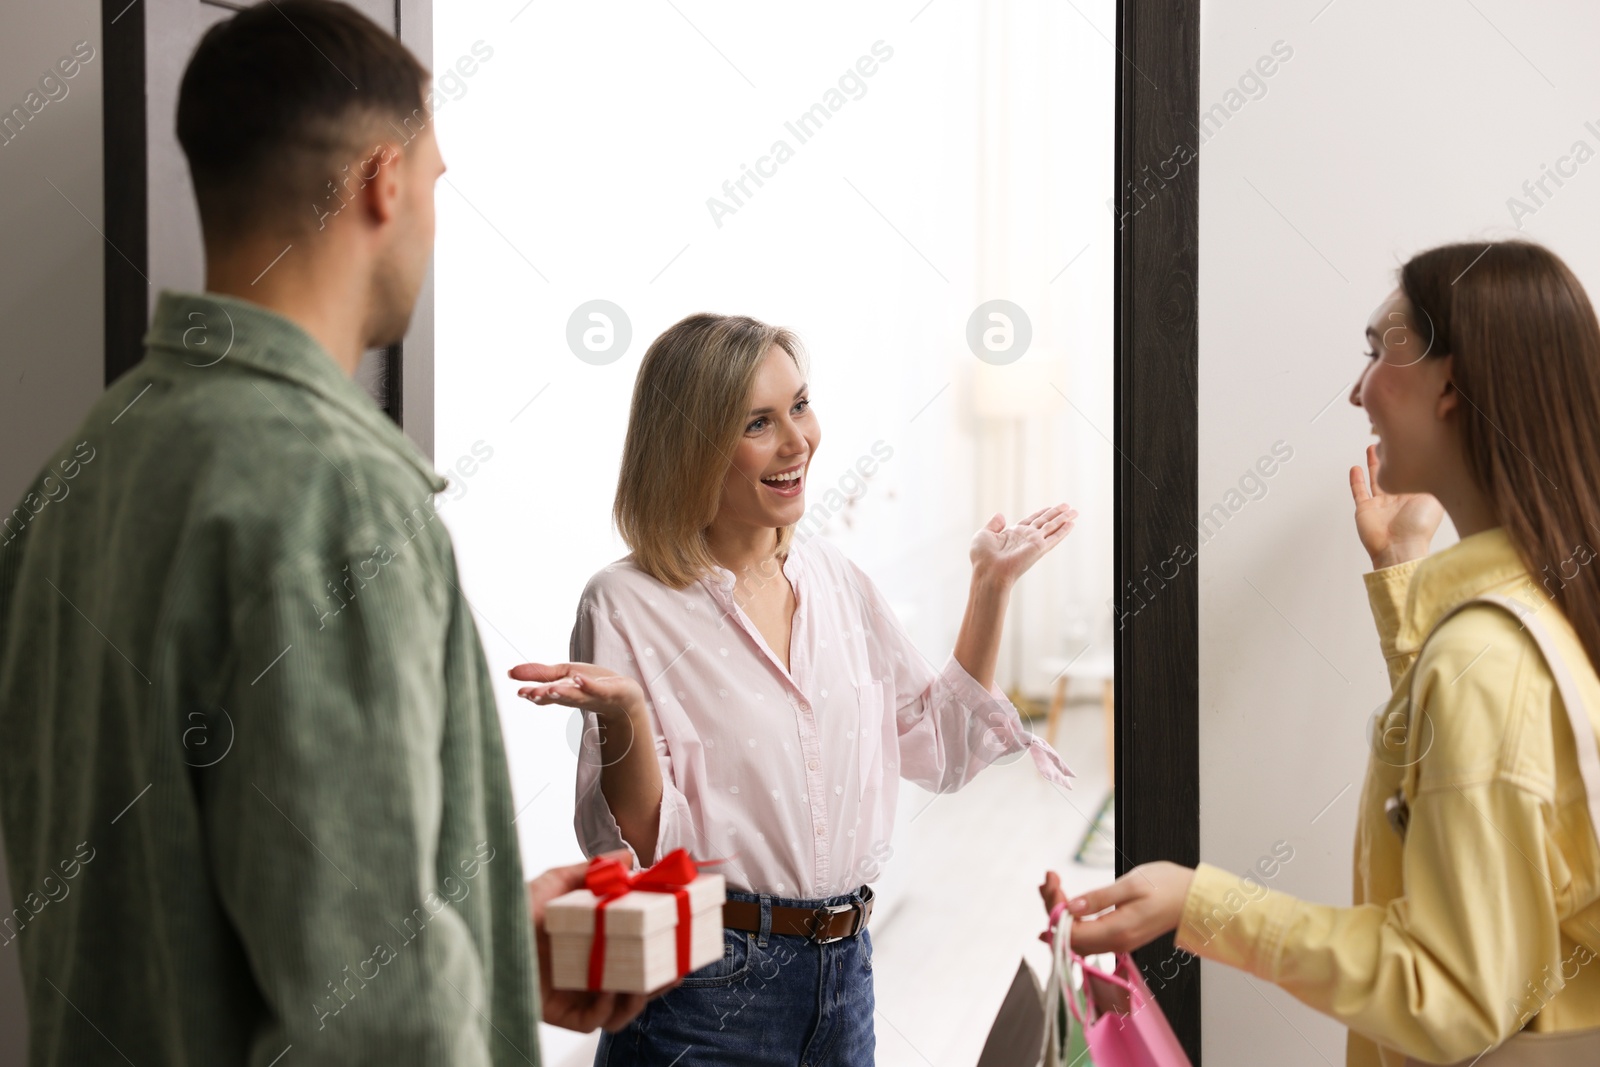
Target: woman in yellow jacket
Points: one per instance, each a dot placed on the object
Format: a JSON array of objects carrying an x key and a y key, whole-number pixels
[{"x": 1477, "y": 869}]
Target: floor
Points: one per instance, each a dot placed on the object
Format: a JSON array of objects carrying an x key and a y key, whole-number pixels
[{"x": 959, "y": 903}]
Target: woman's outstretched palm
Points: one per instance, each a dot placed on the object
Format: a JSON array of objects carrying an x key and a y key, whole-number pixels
[
  {"x": 1393, "y": 527},
  {"x": 1008, "y": 551}
]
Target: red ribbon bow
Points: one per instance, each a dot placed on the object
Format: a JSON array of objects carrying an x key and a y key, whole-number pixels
[{"x": 610, "y": 880}]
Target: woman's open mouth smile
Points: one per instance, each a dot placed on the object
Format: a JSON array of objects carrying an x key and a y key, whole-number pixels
[{"x": 786, "y": 483}]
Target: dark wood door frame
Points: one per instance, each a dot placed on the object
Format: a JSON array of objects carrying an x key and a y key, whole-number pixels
[
  {"x": 1157, "y": 209},
  {"x": 127, "y": 185}
]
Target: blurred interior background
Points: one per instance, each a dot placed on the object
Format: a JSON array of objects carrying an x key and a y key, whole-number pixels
[{"x": 938, "y": 158}]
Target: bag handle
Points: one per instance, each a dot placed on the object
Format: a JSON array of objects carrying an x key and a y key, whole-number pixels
[
  {"x": 1583, "y": 731},
  {"x": 1059, "y": 937},
  {"x": 1072, "y": 954},
  {"x": 1061, "y": 923}
]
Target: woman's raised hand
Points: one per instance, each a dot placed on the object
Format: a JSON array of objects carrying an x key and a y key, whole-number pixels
[
  {"x": 1393, "y": 527},
  {"x": 581, "y": 685},
  {"x": 1005, "y": 552}
]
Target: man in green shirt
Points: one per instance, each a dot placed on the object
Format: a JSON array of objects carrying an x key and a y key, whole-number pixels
[{"x": 252, "y": 781}]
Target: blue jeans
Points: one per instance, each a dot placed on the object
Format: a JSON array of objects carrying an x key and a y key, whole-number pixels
[{"x": 773, "y": 999}]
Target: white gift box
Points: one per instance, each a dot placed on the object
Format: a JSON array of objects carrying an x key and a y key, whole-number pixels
[{"x": 641, "y": 929}]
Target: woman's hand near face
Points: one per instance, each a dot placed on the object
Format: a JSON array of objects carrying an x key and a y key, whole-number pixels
[
  {"x": 1003, "y": 553},
  {"x": 1146, "y": 903},
  {"x": 1393, "y": 527}
]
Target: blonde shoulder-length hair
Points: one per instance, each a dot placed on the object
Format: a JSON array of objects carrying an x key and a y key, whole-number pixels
[{"x": 690, "y": 406}]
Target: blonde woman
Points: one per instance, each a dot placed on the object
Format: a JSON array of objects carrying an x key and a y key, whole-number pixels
[
  {"x": 1476, "y": 919},
  {"x": 749, "y": 696}
]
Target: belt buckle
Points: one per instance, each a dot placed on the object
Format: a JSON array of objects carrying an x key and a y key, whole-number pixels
[
  {"x": 820, "y": 919},
  {"x": 821, "y": 916}
]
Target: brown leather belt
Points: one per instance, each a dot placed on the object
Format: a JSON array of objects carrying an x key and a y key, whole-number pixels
[{"x": 821, "y": 925}]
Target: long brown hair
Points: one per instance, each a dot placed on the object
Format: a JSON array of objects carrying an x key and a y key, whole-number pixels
[
  {"x": 690, "y": 405},
  {"x": 1527, "y": 363}
]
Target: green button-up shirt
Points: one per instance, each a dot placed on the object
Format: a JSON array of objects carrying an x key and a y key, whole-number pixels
[{"x": 252, "y": 782}]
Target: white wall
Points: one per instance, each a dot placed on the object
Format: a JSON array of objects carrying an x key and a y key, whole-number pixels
[
  {"x": 51, "y": 291},
  {"x": 1391, "y": 129}
]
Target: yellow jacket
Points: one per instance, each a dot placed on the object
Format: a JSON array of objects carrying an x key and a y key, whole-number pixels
[{"x": 1488, "y": 915}]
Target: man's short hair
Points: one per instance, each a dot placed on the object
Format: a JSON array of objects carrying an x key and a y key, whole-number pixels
[{"x": 279, "y": 99}]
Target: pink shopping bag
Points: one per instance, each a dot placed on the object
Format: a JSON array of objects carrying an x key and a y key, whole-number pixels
[{"x": 1122, "y": 1025}]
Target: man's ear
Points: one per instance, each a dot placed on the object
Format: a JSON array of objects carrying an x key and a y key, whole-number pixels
[{"x": 382, "y": 182}]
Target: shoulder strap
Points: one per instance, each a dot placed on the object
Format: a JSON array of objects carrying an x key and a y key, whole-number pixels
[{"x": 1583, "y": 730}]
